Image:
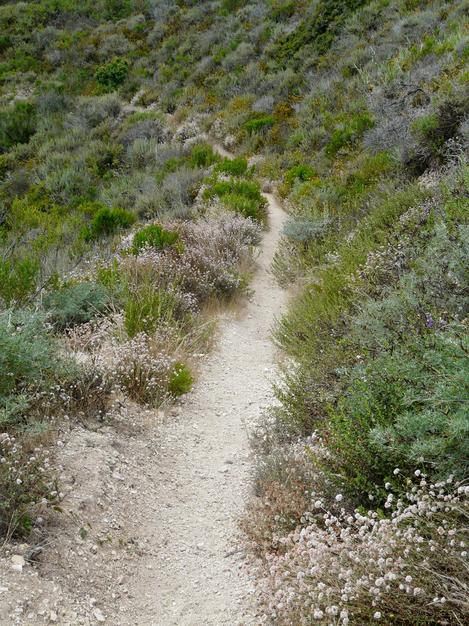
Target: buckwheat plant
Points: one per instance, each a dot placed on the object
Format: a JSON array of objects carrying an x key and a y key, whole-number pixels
[
  {"x": 27, "y": 485},
  {"x": 139, "y": 369},
  {"x": 408, "y": 565}
]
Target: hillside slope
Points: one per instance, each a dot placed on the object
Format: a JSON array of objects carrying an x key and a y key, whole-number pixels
[{"x": 357, "y": 111}]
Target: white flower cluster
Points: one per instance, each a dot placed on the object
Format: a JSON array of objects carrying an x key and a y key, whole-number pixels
[{"x": 351, "y": 567}]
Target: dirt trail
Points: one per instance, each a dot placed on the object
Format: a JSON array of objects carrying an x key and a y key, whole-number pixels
[
  {"x": 196, "y": 578},
  {"x": 150, "y": 525}
]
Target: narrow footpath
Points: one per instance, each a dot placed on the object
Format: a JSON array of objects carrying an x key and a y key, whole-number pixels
[{"x": 192, "y": 574}]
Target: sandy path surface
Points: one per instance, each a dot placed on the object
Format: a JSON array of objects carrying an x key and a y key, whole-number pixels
[
  {"x": 196, "y": 577},
  {"x": 149, "y": 530}
]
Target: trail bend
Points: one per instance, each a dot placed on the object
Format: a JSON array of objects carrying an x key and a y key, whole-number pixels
[{"x": 193, "y": 574}]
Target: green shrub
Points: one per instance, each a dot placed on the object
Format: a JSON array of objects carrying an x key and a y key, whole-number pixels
[
  {"x": 282, "y": 9},
  {"x": 76, "y": 304},
  {"x": 18, "y": 279},
  {"x": 29, "y": 362},
  {"x": 259, "y": 124},
  {"x": 371, "y": 169},
  {"x": 112, "y": 74},
  {"x": 243, "y": 196},
  {"x": 234, "y": 167},
  {"x": 432, "y": 131},
  {"x": 203, "y": 155},
  {"x": 107, "y": 221},
  {"x": 117, "y": 9},
  {"x": 181, "y": 380},
  {"x": 17, "y": 124},
  {"x": 349, "y": 133},
  {"x": 233, "y": 5},
  {"x": 247, "y": 207},
  {"x": 153, "y": 236},
  {"x": 404, "y": 409},
  {"x": 314, "y": 34},
  {"x": 302, "y": 173}
]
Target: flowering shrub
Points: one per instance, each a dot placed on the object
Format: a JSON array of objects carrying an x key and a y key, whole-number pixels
[
  {"x": 357, "y": 567},
  {"x": 140, "y": 368},
  {"x": 207, "y": 264},
  {"x": 26, "y": 484}
]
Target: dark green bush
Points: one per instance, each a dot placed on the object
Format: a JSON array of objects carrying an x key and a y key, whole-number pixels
[
  {"x": 112, "y": 74},
  {"x": 432, "y": 131},
  {"x": 18, "y": 279},
  {"x": 247, "y": 207},
  {"x": 17, "y": 124},
  {"x": 316, "y": 33},
  {"x": 233, "y": 5},
  {"x": 234, "y": 167},
  {"x": 301, "y": 173},
  {"x": 282, "y": 9},
  {"x": 107, "y": 221},
  {"x": 242, "y": 196},
  {"x": 203, "y": 155},
  {"x": 76, "y": 304},
  {"x": 153, "y": 236},
  {"x": 259, "y": 124},
  {"x": 117, "y": 9}
]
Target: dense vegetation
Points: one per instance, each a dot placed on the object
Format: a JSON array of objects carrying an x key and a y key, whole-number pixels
[{"x": 358, "y": 110}]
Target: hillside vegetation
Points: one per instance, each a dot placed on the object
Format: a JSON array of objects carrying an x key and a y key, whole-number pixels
[{"x": 119, "y": 224}]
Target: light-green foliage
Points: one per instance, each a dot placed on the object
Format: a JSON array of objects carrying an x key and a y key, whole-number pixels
[
  {"x": 148, "y": 308},
  {"x": 241, "y": 196},
  {"x": 181, "y": 380},
  {"x": 153, "y": 236}
]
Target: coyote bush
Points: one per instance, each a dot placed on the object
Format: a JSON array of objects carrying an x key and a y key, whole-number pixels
[
  {"x": 202, "y": 155},
  {"x": 259, "y": 124},
  {"x": 233, "y": 167},
  {"x": 241, "y": 196},
  {"x": 112, "y": 74}
]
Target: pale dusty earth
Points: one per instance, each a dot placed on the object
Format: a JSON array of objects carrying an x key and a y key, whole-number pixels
[{"x": 149, "y": 533}]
